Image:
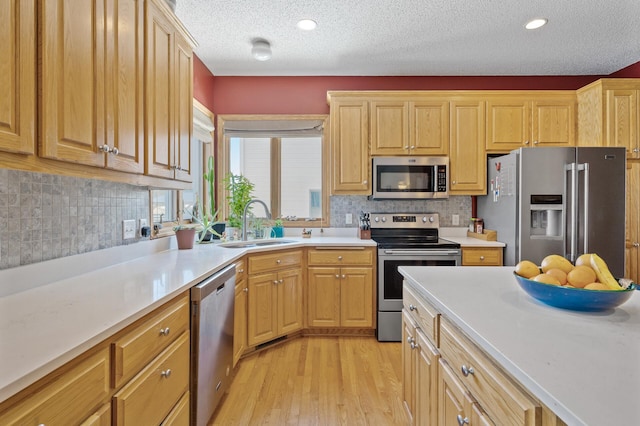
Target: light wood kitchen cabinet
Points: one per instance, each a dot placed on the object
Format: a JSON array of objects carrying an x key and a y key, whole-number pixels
[
  {"x": 468, "y": 165},
  {"x": 482, "y": 256},
  {"x": 18, "y": 76},
  {"x": 609, "y": 114},
  {"x": 340, "y": 287},
  {"x": 169, "y": 94},
  {"x": 102, "y": 417},
  {"x": 240, "y": 311},
  {"x": 71, "y": 395},
  {"x": 531, "y": 120},
  {"x": 152, "y": 394},
  {"x": 410, "y": 127},
  {"x": 274, "y": 296},
  {"x": 92, "y": 83},
  {"x": 350, "y": 161},
  {"x": 632, "y": 244},
  {"x": 455, "y": 405},
  {"x": 179, "y": 416}
]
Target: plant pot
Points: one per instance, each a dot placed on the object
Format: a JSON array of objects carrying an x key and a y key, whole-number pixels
[
  {"x": 185, "y": 238},
  {"x": 278, "y": 231},
  {"x": 230, "y": 230},
  {"x": 210, "y": 236},
  {"x": 219, "y": 228}
]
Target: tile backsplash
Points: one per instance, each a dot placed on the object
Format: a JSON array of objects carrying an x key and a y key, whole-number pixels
[
  {"x": 343, "y": 204},
  {"x": 45, "y": 216}
]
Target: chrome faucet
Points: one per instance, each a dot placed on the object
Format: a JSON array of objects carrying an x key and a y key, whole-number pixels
[{"x": 244, "y": 215}]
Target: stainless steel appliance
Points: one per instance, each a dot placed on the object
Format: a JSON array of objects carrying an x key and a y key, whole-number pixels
[
  {"x": 211, "y": 342},
  {"x": 564, "y": 201},
  {"x": 405, "y": 239},
  {"x": 410, "y": 177}
]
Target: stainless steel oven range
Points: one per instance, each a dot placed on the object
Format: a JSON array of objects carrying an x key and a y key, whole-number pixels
[{"x": 405, "y": 239}]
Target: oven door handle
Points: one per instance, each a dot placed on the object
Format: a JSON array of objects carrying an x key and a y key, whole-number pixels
[{"x": 423, "y": 252}]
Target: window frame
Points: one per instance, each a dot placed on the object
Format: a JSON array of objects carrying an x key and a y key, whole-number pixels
[{"x": 222, "y": 160}]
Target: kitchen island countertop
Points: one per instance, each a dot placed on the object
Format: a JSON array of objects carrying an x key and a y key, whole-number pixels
[
  {"x": 49, "y": 314},
  {"x": 583, "y": 366}
]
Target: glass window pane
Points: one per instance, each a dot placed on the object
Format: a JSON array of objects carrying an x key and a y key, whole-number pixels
[
  {"x": 251, "y": 157},
  {"x": 301, "y": 177}
]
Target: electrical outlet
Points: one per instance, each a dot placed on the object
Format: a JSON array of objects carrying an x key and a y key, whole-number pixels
[
  {"x": 455, "y": 220},
  {"x": 141, "y": 223},
  {"x": 348, "y": 219},
  {"x": 128, "y": 229}
]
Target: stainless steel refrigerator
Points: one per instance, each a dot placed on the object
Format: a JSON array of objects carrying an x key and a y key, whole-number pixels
[{"x": 566, "y": 201}]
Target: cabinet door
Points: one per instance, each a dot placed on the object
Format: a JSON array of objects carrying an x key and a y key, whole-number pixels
[
  {"x": 389, "y": 127},
  {"x": 467, "y": 148},
  {"x": 183, "y": 108},
  {"x": 408, "y": 366},
  {"x": 632, "y": 251},
  {"x": 623, "y": 119},
  {"x": 73, "y": 80},
  {"x": 240, "y": 320},
  {"x": 356, "y": 297},
  {"x": 426, "y": 389},
  {"x": 554, "y": 123},
  {"x": 289, "y": 290},
  {"x": 454, "y": 404},
  {"x": 159, "y": 80},
  {"x": 429, "y": 127},
  {"x": 262, "y": 304},
  {"x": 102, "y": 417},
  {"x": 508, "y": 124},
  {"x": 350, "y": 148},
  {"x": 18, "y": 76},
  {"x": 124, "y": 86},
  {"x": 323, "y": 303}
]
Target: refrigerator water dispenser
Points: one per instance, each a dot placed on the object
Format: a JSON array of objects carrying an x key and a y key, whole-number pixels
[{"x": 546, "y": 216}]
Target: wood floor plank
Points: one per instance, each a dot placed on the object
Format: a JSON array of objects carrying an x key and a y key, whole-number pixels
[{"x": 317, "y": 380}]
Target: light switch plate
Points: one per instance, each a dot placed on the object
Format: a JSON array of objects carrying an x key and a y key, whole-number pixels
[
  {"x": 455, "y": 220},
  {"x": 128, "y": 229},
  {"x": 348, "y": 219}
]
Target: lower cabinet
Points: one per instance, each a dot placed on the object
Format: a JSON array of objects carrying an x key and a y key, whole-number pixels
[
  {"x": 456, "y": 407},
  {"x": 482, "y": 256},
  {"x": 102, "y": 417},
  {"x": 240, "y": 312}
]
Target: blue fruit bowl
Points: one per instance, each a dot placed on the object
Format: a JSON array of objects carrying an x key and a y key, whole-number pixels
[{"x": 575, "y": 299}]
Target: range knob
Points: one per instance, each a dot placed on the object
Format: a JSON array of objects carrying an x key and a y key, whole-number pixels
[
  {"x": 384, "y": 219},
  {"x": 376, "y": 219},
  {"x": 431, "y": 219},
  {"x": 424, "y": 219}
]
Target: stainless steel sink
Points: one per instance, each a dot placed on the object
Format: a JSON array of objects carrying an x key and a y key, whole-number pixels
[{"x": 255, "y": 243}]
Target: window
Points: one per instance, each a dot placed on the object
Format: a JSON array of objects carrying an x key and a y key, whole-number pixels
[{"x": 284, "y": 157}]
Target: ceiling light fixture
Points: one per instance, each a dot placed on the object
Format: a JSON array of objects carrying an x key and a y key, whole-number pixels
[
  {"x": 307, "y": 24},
  {"x": 261, "y": 50},
  {"x": 535, "y": 23}
]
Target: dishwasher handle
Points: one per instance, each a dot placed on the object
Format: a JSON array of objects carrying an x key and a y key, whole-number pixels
[{"x": 214, "y": 284}]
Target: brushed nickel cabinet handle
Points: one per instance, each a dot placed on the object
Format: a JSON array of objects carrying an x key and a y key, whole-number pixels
[{"x": 166, "y": 373}]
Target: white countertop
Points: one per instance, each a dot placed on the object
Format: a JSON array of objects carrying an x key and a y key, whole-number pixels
[
  {"x": 49, "y": 314},
  {"x": 583, "y": 366}
]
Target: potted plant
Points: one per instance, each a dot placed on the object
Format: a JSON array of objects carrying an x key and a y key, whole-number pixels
[
  {"x": 240, "y": 192},
  {"x": 185, "y": 235},
  {"x": 278, "y": 228},
  {"x": 212, "y": 229}
]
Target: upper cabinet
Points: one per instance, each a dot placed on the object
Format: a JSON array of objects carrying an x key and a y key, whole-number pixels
[
  {"x": 419, "y": 126},
  {"x": 468, "y": 168},
  {"x": 531, "y": 120},
  {"x": 350, "y": 161},
  {"x": 169, "y": 80},
  {"x": 18, "y": 76},
  {"x": 609, "y": 114},
  {"x": 92, "y": 86}
]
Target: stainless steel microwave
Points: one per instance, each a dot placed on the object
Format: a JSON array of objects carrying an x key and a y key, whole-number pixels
[{"x": 410, "y": 178}]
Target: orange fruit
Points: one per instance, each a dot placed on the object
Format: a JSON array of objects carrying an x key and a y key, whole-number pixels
[
  {"x": 527, "y": 269},
  {"x": 581, "y": 275},
  {"x": 547, "y": 279},
  {"x": 554, "y": 261},
  {"x": 584, "y": 259},
  {"x": 596, "y": 286},
  {"x": 560, "y": 275}
]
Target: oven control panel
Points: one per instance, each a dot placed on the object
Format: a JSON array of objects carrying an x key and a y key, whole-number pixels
[{"x": 404, "y": 220}]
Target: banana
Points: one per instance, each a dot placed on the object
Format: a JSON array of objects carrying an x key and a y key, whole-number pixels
[{"x": 603, "y": 273}]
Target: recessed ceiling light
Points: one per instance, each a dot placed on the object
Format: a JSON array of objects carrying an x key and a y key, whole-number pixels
[
  {"x": 535, "y": 23},
  {"x": 307, "y": 24}
]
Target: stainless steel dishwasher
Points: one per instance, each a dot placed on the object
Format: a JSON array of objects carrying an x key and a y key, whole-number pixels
[{"x": 211, "y": 342}]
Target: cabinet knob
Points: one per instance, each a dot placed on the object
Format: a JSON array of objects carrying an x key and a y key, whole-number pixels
[
  {"x": 636, "y": 150},
  {"x": 413, "y": 147},
  {"x": 344, "y": 276},
  {"x": 413, "y": 345},
  {"x": 246, "y": 290},
  {"x": 462, "y": 420},
  {"x": 406, "y": 147},
  {"x": 364, "y": 182},
  {"x": 481, "y": 257},
  {"x": 275, "y": 281},
  {"x": 409, "y": 339},
  {"x": 466, "y": 370},
  {"x": 338, "y": 276},
  {"x": 453, "y": 182},
  {"x": 108, "y": 150},
  {"x": 280, "y": 281},
  {"x": 526, "y": 142},
  {"x": 636, "y": 245},
  {"x": 241, "y": 270},
  {"x": 412, "y": 308},
  {"x": 166, "y": 373},
  {"x": 535, "y": 142},
  {"x": 278, "y": 261},
  {"x": 339, "y": 257},
  {"x": 165, "y": 331}
]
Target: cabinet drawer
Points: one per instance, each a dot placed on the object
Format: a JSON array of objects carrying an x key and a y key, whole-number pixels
[
  {"x": 273, "y": 261},
  {"x": 423, "y": 314},
  {"x": 150, "y": 396},
  {"x": 102, "y": 417},
  {"x": 139, "y": 346},
  {"x": 179, "y": 415},
  {"x": 497, "y": 394},
  {"x": 472, "y": 256},
  {"x": 71, "y": 396},
  {"x": 355, "y": 256}
]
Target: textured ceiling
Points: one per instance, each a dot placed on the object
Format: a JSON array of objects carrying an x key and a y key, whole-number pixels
[{"x": 415, "y": 37}]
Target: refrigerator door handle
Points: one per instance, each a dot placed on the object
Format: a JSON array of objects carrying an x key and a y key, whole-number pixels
[
  {"x": 573, "y": 217},
  {"x": 585, "y": 204}
]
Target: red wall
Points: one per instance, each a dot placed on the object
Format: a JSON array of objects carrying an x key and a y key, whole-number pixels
[
  {"x": 202, "y": 84},
  {"x": 632, "y": 71}
]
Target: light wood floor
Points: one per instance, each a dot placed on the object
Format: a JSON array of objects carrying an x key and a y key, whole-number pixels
[{"x": 318, "y": 381}]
